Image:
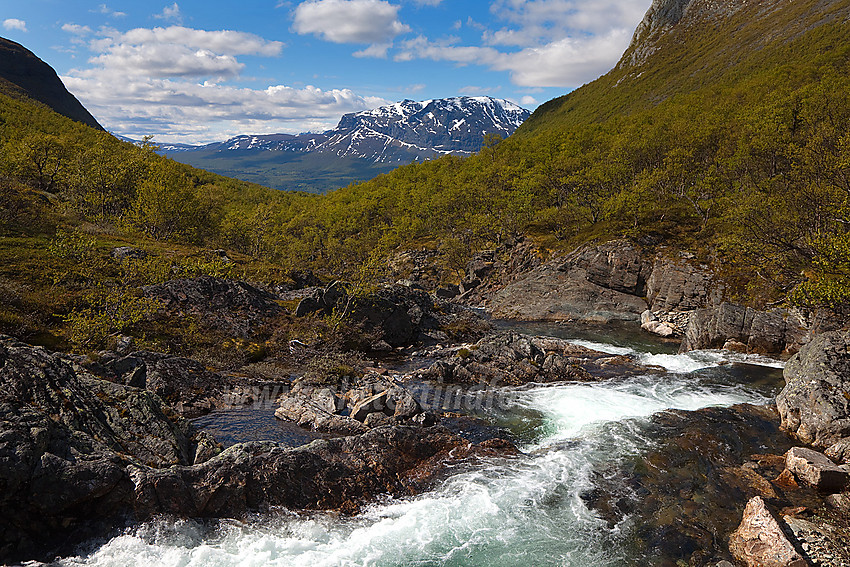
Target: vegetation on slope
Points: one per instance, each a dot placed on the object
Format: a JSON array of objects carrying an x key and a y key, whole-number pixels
[{"x": 732, "y": 140}]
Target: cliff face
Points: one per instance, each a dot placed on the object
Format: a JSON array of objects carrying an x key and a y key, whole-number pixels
[
  {"x": 664, "y": 15},
  {"x": 24, "y": 74}
]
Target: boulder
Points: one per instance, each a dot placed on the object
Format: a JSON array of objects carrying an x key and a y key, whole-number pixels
[
  {"x": 815, "y": 403},
  {"x": 816, "y": 470},
  {"x": 760, "y": 542},
  {"x": 347, "y": 406},
  {"x": 128, "y": 253},
  {"x": 764, "y": 332}
]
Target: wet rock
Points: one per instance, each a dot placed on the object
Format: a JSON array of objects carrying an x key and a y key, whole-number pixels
[
  {"x": 816, "y": 470},
  {"x": 686, "y": 493},
  {"x": 763, "y": 332},
  {"x": 510, "y": 358},
  {"x": 815, "y": 403},
  {"x": 234, "y": 307},
  {"x": 347, "y": 406},
  {"x": 328, "y": 474},
  {"x": 760, "y": 542}
]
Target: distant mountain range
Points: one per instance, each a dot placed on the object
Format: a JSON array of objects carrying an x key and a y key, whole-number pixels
[{"x": 363, "y": 144}]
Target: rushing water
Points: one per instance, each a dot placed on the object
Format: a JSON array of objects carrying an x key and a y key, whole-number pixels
[{"x": 525, "y": 510}]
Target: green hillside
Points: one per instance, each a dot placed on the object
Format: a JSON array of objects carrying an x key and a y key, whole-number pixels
[{"x": 731, "y": 139}]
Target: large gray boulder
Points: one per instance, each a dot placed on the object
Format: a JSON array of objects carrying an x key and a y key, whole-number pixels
[
  {"x": 764, "y": 332},
  {"x": 601, "y": 283},
  {"x": 815, "y": 403}
]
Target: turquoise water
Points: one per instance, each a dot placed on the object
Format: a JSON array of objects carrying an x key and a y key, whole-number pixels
[{"x": 521, "y": 511}]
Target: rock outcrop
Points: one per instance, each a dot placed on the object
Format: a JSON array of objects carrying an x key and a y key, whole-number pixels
[
  {"x": 512, "y": 359},
  {"x": 234, "y": 307},
  {"x": 351, "y": 405},
  {"x": 595, "y": 283},
  {"x": 66, "y": 439},
  {"x": 396, "y": 315},
  {"x": 79, "y": 455},
  {"x": 742, "y": 328},
  {"x": 815, "y": 403}
]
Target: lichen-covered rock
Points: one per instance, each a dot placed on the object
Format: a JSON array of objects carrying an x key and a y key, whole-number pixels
[
  {"x": 815, "y": 403},
  {"x": 760, "y": 542}
]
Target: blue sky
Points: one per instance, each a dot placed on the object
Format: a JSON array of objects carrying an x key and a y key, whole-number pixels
[{"x": 199, "y": 71}]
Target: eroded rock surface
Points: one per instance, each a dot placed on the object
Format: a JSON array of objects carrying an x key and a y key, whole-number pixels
[
  {"x": 815, "y": 403},
  {"x": 512, "y": 359}
]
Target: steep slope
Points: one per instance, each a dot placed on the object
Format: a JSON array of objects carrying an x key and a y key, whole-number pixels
[
  {"x": 24, "y": 74},
  {"x": 363, "y": 145},
  {"x": 682, "y": 46}
]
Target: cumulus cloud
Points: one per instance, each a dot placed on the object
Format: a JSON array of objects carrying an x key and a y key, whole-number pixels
[
  {"x": 15, "y": 24},
  {"x": 183, "y": 111},
  {"x": 173, "y": 82},
  {"x": 528, "y": 100},
  {"x": 544, "y": 43},
  {"x": 177, "y": 51},
  {"x": 170, "y": 13},
  {"x": 349, "y": 21}
]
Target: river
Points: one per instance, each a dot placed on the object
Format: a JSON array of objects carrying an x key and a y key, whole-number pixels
[{"x": 520, "y": 511}]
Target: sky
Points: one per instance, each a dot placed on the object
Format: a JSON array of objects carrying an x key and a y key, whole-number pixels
[{"x": 198, "y": 71}]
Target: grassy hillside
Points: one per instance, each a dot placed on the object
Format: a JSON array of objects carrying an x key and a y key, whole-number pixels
[{"x": 732, "y": 140}]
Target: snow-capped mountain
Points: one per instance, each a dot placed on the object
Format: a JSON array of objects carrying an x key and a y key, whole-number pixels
[
  {"x": 362, "y": 145},
  {"x": 398, "y": 133}
]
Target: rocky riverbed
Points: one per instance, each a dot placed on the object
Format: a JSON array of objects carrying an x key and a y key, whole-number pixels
[{"x": 624, "y": 444}]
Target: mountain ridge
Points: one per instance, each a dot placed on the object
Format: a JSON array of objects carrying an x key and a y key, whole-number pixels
[
  {"x": 366, "y": 143},
  {"x": 23, "y": 74}
]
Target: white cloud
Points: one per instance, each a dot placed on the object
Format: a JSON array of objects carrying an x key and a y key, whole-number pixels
[
  {"x": 546, "y": 43},
  {"x": 376, "y": 50},
  {"x": 15, "y": 24},
  {"x": 104, "y": 9},
  {"x": 528, "y": 100},
  {"x": 76, "y": 29},
  {"x": 428, "y": 2},
  {"x": 183, "y": 111},
  {"x": 151, "y": 81},
  {"x": 177, "y": 51},
  {"x": 170, "y": 13},
  {"x": 472, "y": 90},
  {"x": 349, "y": 21}
]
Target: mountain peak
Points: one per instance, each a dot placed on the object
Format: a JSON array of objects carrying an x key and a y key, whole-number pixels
[{"x": 22, "y": 73}]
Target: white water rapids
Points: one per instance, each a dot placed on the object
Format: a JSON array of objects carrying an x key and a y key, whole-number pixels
[{"x": 520, "y": 511}]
